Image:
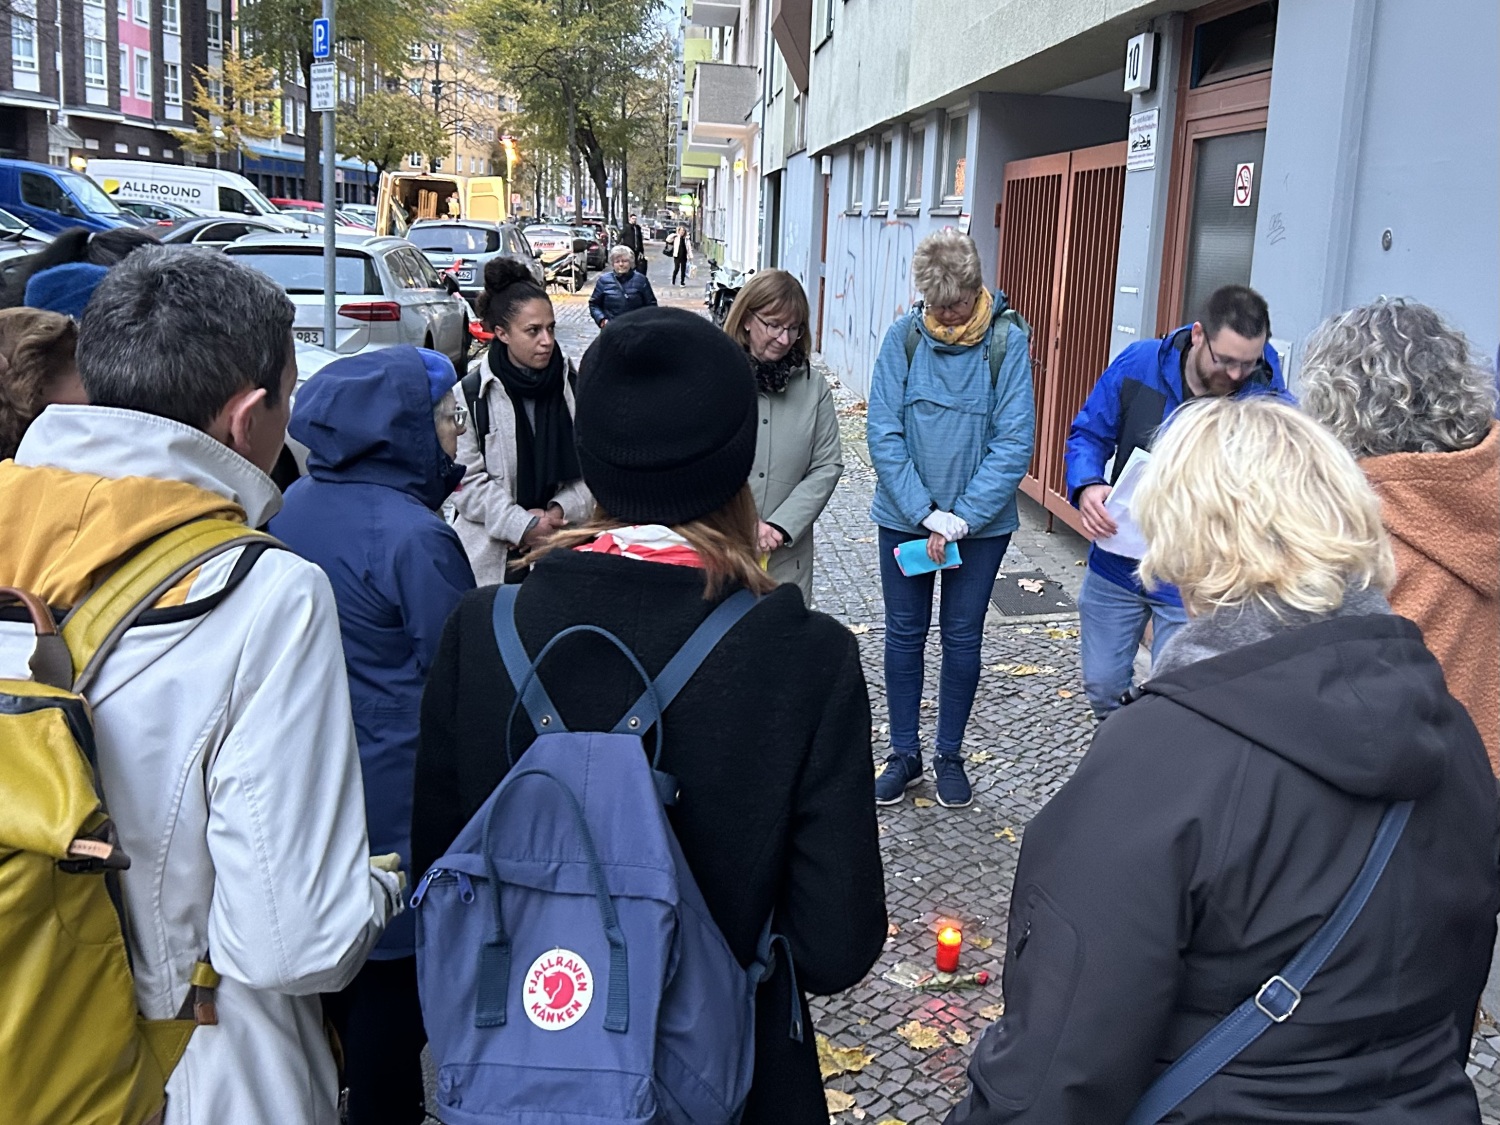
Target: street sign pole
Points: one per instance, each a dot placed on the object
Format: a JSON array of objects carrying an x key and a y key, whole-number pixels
[{"x": 323, "y": 37}]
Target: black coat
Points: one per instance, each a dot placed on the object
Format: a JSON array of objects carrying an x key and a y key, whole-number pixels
[
  {"x": 770, "y": 743},
  {"x": 1209, "y": 831},
  {"x": 634, "y": 237}
]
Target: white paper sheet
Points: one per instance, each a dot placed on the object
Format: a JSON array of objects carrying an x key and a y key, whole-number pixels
[{"x": 1127, "y": 540}]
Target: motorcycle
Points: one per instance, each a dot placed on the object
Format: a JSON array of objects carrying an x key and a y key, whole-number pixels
[
  {"x": 724, "y": 286},
  {"x": 564, "y": 270}
]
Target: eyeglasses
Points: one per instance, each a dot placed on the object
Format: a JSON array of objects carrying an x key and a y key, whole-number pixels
[
  {"x": 777, "y": 331},
  {"x": 460, "y": 416},
  {"x": 1232, "y": 366}
]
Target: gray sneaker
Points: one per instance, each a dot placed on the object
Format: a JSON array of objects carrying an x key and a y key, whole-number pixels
[
  {"x": 953, "y": 789},
  {"x": 901, "y": 772}
]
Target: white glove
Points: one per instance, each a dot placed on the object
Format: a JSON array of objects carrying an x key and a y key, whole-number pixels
[
  {"x": 946, "y": 524},
  {"x": 387, "y": 872}
]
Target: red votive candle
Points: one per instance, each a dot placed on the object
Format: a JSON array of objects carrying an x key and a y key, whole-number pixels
[{"x": 949, "y": 940}]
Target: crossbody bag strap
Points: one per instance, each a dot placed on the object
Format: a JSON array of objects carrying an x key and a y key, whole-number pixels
[{"x": 1276, "y": 1000}]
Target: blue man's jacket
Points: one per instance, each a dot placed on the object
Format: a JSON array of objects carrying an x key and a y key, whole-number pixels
[
  {"x": 367, "y": 515},
  {"x": 1128, "y": 406},
  {"x": 613, "y": 297},
  {"x": 941, "y": 437}
]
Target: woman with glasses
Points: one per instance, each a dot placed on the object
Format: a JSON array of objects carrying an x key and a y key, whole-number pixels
[
  {"x": 381, "y": 430},
  {"x": 798, "y": 458},
  {"x": 950, "y": 429}
]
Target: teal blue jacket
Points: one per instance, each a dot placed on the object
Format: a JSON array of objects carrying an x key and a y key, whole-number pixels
[{"x": 942, "y": 438}]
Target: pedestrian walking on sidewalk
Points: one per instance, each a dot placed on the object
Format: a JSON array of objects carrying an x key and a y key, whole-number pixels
[
  {"x": 950, "y": 437},
  {"x": 799, "y": 457},
  {"x": 1403, "y": 391},
  {"x": 37, "y": 369},
  {"x": 681, "y": 255},
  {"x": 1220, "y": 817},
  {"x": 774, "y": 814},
  {"x": 635, "y": 238},
  {"x": 522, "y": 481},
  {"x": 226, "y": 748},
  {"x": 381, "y": 430},
  {"x": 1227, "y": 352},
  {"x": 621, "y": 289}
]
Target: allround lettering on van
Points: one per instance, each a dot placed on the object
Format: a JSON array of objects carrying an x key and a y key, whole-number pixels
[{"x": 153, "y": 190}]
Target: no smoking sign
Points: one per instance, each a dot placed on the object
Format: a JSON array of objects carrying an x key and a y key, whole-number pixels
[{"x": 1244, "y": 182}]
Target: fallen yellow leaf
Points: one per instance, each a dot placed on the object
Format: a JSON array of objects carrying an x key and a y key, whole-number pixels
[
  {"x": 1065, "y": 693},
  {"x": 838, "y": 1101},
  {"x": 1023, "y": 669},
  {"x": 841, "y": 1060},
  {"x": 859, "y": 630},
  {"x": 892, "y": 1121},
  {"x": 1062, "y": 634},
  {"x": 991, "y": 1012},
  {"x": 1006, "y": 834},
  {"x": 959, "y": 1036},
  {"x": 892, "y": 930},
  {"x": 923, "y": 802},
  {"x": 920, "y": 1036},
  {"x": 981, "y": 942},
  {"x": 981, "y": 756}
]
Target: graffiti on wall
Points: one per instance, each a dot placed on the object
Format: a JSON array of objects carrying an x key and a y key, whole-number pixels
[{"x": 869, "y": 286}]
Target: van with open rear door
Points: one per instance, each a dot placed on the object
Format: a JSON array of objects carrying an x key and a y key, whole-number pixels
[{"x": 406, "y": 197}]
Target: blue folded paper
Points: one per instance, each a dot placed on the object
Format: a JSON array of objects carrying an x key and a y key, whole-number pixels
[{"x": 913, "y": 559}]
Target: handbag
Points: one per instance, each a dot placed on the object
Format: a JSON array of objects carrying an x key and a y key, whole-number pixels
[{"x": 1276, "y": 1000}]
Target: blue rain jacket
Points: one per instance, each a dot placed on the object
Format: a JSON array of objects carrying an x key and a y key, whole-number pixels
[
  {"x": 366, "y": 513},
  {"x": 941, "y": 438},
  {"x": 1130, "y": 403}
]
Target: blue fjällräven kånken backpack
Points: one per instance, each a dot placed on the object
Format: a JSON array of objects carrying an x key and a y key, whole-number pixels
[{"x": 569, "y": 970}]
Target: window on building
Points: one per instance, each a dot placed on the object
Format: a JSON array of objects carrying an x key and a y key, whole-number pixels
[
  {"x": 414, "y": 52},
  {"x": 301, "y": 119},
  {"x": 143, "y": 12},
  {"x": 123, "y": 7},
  {"x": 857, "y": 178},
  {"x": 955, "y": 156},
  {"x": 142, "y": 75},
  {"x": 95, "y": 69},
  {"x": 414, "y": 159},
  {"x": 171, "y": 15},
  {"x": 883, "y": 173},
  {"x": 23, "y": 35},
  {"x": 124, "y": 72},
  {"x": 288, "y": 116},
  {"x": 916, "y": 143},
  {"x": 216, "y": 91},
  {"x": 171, "y": 83},
  {"x": 414, "y": 87},
  {"x": 215, "y": 29}
]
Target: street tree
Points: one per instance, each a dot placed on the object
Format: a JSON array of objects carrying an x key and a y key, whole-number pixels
[
  {"x": 281, "y": 32},
  {"x": 232, "y": 104},
  {"x": 564, "y": 59},
  {"x": 384, "y": 126}
]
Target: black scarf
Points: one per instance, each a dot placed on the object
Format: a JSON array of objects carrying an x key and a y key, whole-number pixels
[
  {"x": 545, "y": 457},
  {"x": 774, "y": 377}
]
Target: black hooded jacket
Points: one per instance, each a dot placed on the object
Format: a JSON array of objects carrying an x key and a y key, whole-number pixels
[{"x": 1212, "y": 827}]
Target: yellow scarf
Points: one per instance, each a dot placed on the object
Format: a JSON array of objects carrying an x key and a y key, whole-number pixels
[{"x": 967, "y": 334}]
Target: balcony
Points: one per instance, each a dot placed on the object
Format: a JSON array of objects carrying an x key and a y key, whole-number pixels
[
  {"x": 723, "y": 96},
  {"x": 711, "y": 14}
]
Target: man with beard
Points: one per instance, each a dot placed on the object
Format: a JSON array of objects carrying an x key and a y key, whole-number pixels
[{"x": 1227, "y": 352}]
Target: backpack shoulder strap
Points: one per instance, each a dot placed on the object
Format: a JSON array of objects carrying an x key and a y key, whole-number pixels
[
  {"x": 1000, "y": 341},
  {"x": 695, "y": 649},
  {"x": 479, "y": 411},
  {"x": 97, "y": 623},
  {"x": 1276, "y": 1000},
  {"x": 913, "y": 338}
]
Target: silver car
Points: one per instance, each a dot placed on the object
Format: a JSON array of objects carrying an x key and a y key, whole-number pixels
[
  {"x": 388, "y": 294},
  {"x": 462, "y": 248}
]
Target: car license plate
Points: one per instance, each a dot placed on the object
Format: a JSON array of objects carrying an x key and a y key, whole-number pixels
[
  {"x": 309, "y": 335},
  {"x": 464, "y": 275}
]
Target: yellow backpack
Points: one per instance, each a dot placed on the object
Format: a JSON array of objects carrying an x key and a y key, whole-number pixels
[{"x": 74, "y": 1049}]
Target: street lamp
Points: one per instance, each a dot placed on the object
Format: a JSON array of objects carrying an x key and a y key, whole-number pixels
[{"x": 218, "y": 146}]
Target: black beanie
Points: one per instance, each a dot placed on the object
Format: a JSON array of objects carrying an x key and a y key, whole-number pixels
[{"x": 665, "y": 417}]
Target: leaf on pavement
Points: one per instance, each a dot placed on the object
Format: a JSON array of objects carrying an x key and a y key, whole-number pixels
[
  {"x": 1032, "y": 585},
  {"x": 891, "y": 1121},
  {"x": 1079, "y": 562},
  {"x": 1023, "y": 669},
  {"x": 959, "y": 1036},
  {"x": 1064, "y": 693},
  {"x": 892, "y": 930},
  {"x": 979, "y": 757},
  {"x": 920, "y": 1036},
  {"x": 923, "y": 802},
  {"x": 1062, "y": 634},
  {"x": 1006, "y": 833},
  {"x": 838, "y": 1101},
  {"x": 859, "y": 630},
  {"x": 991, "y": 1012},
  {"x": 841, "y": 1060},
  {"x": 981, "y": 942}
]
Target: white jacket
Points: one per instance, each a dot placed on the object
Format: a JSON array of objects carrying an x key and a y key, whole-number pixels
[
  {"x": 228, "y": 761},
  {"x": 490, "y": 523}
]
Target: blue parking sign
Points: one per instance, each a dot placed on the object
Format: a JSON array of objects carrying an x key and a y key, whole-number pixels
[{"x": 320, "y": 39}]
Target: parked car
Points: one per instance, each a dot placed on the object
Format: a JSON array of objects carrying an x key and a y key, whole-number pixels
[
  {"x": 15, "y": 233},
  {"x": 563, "y": 254},
  {"x": 596, "y": 253},
  {"x": 215, "y": 230},
  {"x": 388, "y": 292},
  {"x": 462, "y": 248},
  {"x": 311, "y": 211},
  {"x": 162, "y": 214},
  {"x": 363, "y": 212},
  {"x": 54, "y": 199}
]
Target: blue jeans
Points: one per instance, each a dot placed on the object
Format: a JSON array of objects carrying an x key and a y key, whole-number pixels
[
  {"x": 1112, "y": 621},
  {"x": 908, "y": 616}
]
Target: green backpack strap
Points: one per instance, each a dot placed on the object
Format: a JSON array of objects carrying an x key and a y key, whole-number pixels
[
  {"x": 97, "y": 623},
  {"x": 999, "y": 341}
]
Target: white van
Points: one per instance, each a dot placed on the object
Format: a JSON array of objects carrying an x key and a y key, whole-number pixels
[{"x": 204, "y": 189}]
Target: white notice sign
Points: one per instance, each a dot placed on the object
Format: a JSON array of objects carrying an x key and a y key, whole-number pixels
[
  {"x": 322, "y": 86},
  {"x": 1244, "y": 184},
  {"x": 1141, "y": 153}
]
